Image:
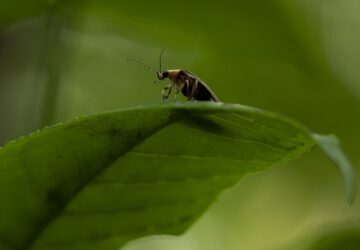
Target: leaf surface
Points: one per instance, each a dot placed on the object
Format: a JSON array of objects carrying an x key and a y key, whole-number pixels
[{"x": 102, "y": 180}]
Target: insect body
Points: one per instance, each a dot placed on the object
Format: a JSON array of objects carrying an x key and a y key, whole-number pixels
[{"x": 190, "y": 85}]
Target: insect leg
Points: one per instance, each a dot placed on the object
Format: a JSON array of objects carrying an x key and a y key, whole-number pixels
[
  {"x": 163, "y": 92},
  {"x": 187, "y": 86},
  {"x": 178, "y": 88},
  {"x": 193, "y": 90},
  {"x": 169, "y": 92}
]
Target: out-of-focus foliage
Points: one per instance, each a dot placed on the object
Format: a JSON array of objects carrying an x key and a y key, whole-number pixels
[
  {"x": 346, "y": 239},
  {"x": 345, "y": 235},
  {"x": 64, "y": 58}
]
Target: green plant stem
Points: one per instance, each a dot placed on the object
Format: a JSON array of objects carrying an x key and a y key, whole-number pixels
[{"x": 52, "y": 65}]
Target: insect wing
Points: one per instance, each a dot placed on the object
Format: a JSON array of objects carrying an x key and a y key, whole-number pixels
[{"x": 204, "y": 93}]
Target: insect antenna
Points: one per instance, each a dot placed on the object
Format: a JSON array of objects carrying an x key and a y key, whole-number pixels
[
  {"x": 148, "y": 67},
  {"x": 161, "y": 53}
]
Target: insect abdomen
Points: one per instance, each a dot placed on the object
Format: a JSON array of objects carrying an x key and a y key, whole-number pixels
[{"x": 203, "y": 94}]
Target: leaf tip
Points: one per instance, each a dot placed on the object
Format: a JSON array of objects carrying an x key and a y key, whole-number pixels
[{"x": 330, "y": 144}]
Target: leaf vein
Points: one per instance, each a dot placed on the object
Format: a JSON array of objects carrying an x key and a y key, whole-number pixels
[{"x": 239, "y": 139}]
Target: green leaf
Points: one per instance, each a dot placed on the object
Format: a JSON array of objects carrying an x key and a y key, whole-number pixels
[
  {"x": 102, "y": 180},
  {"x": 330, "y": 145}
]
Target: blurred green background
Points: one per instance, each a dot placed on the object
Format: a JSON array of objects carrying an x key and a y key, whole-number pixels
[{"x": 60, "y": 59}]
